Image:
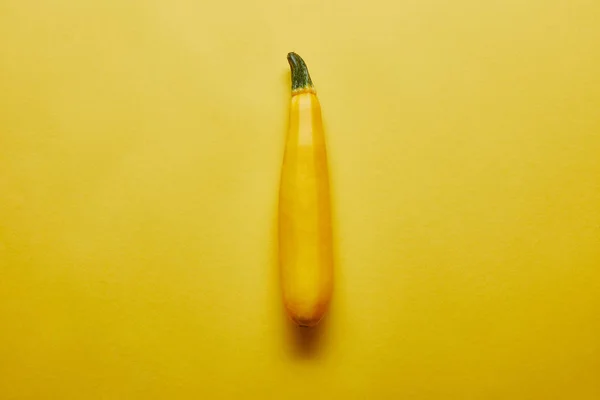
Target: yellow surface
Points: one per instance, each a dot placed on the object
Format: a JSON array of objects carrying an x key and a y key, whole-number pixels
[{"x": 140, "y": 147}]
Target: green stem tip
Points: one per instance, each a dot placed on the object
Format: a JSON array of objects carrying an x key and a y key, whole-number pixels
[{"x": 300, "y": 76}]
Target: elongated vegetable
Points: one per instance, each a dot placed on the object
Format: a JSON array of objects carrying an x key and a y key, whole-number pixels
[{"x": 305, "y": 237}]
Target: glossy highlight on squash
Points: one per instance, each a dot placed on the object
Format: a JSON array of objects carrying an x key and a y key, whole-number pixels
[{"x": 305, "y": 232}]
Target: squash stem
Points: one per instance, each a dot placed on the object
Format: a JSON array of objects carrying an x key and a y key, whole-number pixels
[{"x": 300, "y": 77}]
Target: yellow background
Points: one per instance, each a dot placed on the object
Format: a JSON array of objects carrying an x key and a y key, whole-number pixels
[{"x": 140, "y": 146}]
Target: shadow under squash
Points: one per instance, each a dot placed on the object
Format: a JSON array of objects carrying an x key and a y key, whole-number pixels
[{"x": 306, "y": 342}]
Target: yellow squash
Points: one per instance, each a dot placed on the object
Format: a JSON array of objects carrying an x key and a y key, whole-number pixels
[{"x": 305, "y": 236}]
